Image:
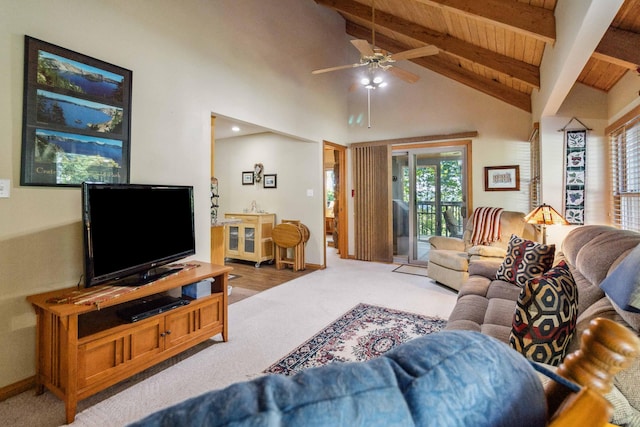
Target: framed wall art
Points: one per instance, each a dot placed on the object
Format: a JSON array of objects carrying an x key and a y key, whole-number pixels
[
  {"x": 247, "y": 178},
  {"x": 270, "y": 181},
  {"x": 502, "y": 178},
  {"x": 76, "y": 122},
  {"x": 575, "y": 151}
]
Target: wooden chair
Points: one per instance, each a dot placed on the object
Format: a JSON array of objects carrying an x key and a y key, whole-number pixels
[{"x": 606, "y": 348}]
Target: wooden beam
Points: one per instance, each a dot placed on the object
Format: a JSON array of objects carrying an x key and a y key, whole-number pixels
[
  {"x": 415, "y": 139},
  {"x": 518, "y": 70},
  {"x": 619, "y": 47},
  {"x": 488, "y": 86},
  {"x": 522, "y": 18}
]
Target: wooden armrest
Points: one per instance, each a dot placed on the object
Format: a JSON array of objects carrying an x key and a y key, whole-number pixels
[
  {"x": 606, "y": 348},
  {"x": 586, "y": 408}
]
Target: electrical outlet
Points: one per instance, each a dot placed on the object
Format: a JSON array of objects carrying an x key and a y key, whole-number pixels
[{"x": 5, "y": 187}]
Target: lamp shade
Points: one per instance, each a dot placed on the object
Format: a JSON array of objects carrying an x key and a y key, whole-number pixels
[{"x": 545, "y": 215}]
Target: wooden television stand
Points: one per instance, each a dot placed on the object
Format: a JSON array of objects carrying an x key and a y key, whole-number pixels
[{"x": 83, "y": 349}]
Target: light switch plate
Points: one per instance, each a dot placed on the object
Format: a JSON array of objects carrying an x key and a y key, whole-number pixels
[
  {"x": 310, "y": 192},
  {"x": 5, "y": 187}
]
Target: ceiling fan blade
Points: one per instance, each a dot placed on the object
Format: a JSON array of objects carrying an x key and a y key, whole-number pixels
[
  {"x": 405, "y": 75},
  {"x": 415, "y": 53},
  {"x": 340, "y": 67},
  {"x": 364, "y": 47}
]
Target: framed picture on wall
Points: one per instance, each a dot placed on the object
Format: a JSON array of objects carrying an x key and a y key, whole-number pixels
[
  {"x": 247, "y": 178},
  {"x": 270, "y": 181},
  {"x": 76, "y": 118},
  {"x": 502, "y": 178}
]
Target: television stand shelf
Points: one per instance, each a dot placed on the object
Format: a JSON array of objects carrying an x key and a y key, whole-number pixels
[{"x": 83, "y": 349}]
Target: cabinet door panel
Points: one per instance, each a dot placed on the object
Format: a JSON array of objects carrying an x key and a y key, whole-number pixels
[
  {"x": 211, "y": 315},
  {"x": 99, "y": 359},
  {"x": 179, "y": 326},
  {"x": 233, "y": 238},
  {"x": 249, "y": 240}
]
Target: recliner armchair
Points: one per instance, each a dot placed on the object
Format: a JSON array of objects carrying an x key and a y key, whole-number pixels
[{"x": 449, "y": 257}]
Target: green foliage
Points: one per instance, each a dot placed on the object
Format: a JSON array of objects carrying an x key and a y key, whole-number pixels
[
  {"x": 450, "y": 182},
  {"x": 426, "y": 192},
  {"x": 74, "y": 169},
  {"x": 48, "y": 75},
  {"x": 331, "y": 196}
]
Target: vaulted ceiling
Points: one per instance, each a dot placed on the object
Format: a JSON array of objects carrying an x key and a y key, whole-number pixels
[{"x": 494, "y": 46}]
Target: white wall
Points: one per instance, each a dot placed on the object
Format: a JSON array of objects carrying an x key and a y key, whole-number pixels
[
  {"x": 296, "y": 164},
  {"x": 438, "y": 105},
  {"x": 624, "y": 96},
  {"x": 590, "y": 107},
  {"x": 189, "y": 59}
]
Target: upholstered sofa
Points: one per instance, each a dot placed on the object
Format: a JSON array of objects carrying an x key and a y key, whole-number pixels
[
  {"x": 457, "y": 378},
  {"x": 591, "y": 252},
  {"x": 449, "y": 257}
]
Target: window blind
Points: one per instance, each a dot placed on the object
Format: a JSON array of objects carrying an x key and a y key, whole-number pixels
[
  {"x": 624, "y": 144},
  {"x": 534, "y": 186}
]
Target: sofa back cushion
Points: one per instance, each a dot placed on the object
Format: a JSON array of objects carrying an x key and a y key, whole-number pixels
[
  {"x": 510, "y": 223},
  {"x": 592, "y": 252}
]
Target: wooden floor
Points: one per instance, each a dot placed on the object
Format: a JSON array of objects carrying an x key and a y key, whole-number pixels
[{"x": 262, "y": 278}]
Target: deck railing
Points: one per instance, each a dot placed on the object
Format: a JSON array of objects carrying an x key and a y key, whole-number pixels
[{"x": 431, "y": 220}]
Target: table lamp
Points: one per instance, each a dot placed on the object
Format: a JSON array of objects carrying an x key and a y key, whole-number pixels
[{"x": 545, "y": 215}]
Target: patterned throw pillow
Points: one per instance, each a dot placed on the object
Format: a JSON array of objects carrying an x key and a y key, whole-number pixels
[
  {"x": 545, "y": 317},
  {"x": 525, "y": 260}
]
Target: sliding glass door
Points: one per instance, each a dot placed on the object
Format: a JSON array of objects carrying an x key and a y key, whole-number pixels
[{"x": 429, "y": 199}]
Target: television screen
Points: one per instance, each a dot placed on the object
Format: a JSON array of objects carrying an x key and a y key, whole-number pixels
[{"x": 131, "y": 230}]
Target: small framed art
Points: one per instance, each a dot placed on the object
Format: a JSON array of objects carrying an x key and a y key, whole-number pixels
[
  {"x": 247, "y": 178},
  {"x": 270, "y": 181},
  {"x": 502, "y": 178}
]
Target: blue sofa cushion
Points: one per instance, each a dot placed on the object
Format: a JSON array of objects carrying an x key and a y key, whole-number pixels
[{"x": 456, "y": 378}]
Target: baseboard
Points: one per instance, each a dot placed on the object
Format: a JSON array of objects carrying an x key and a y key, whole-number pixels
[
  {"x": 313, "y": 266},
  {"x": 17, "y": 388}
]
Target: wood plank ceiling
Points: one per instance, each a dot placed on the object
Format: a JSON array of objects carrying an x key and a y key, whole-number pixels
[{"x": 494, "y": 46}]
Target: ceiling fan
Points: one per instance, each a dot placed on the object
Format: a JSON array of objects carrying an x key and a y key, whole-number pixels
[{"x": 375, "y": 58}]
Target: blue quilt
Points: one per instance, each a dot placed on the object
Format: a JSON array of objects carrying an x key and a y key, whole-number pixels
[{"x": 451, "y": 378}]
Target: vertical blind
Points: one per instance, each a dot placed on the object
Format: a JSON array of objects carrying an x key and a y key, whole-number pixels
[
  {"x": 624, "y": 144},
  {"x": 372, "y": 204}
]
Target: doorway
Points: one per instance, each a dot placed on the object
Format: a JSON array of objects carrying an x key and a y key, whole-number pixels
[
  {"x": 334, "y": 207},
  {"x": 430, "y": 193}
]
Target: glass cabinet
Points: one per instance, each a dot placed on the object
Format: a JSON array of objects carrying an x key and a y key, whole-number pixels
[{"x": 250, "y": 239}]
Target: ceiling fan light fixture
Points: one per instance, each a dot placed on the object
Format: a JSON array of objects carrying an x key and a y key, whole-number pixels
[{"x": 373, "y": 83}]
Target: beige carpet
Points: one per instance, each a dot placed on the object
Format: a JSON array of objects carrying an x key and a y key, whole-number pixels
[{"x": 262, "y": 329}]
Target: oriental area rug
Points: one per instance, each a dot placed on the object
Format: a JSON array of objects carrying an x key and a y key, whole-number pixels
[{"x": 363, "y": 333}]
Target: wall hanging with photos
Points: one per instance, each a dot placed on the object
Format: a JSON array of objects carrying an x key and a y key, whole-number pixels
[{"x": 76, "y": 118}]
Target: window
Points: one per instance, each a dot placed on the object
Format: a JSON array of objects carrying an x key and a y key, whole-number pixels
[{"x": 624, "y": 158}]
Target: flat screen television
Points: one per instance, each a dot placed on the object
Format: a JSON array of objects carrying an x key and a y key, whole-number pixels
[{"x": 131, "y": 231}]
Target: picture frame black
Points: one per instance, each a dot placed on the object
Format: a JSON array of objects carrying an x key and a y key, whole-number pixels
[
  {"x": 247, "y": 178},
  {"x": 502, "y": 178},
  {"x": 76, "y": 122},
  {"x": 270, "y": 180}
]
